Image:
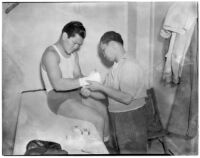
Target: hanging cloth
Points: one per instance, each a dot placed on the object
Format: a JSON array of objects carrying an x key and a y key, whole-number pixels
[
  {"x": 178, "y": 27},
  {"x": 183, "y": 119}
]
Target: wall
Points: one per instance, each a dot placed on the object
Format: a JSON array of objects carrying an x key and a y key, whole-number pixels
[
  {"x": 165, "y": 95},
  {"x": 132, "y": 28},
  {"x": 139, "y": 36},
  {"x": 29, "y": 28},
  {"x": 148, "y": 47},
  {"x": 143, "y": 51}
]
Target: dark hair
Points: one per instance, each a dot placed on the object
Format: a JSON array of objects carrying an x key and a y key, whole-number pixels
[
  {"x": 111, "y": 36},
  {"x": 74, "y": 27}
]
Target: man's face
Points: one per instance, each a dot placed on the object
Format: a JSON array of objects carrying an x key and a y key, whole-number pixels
[
  {"x": 72, "y": 44},
  {"x": 108, "y": 51}
]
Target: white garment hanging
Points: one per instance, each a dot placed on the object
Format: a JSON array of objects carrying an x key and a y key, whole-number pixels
[{"x": 179, "y": 25}]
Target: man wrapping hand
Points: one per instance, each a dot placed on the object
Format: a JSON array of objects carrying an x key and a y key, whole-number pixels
[{"x": 124, "y": 85}]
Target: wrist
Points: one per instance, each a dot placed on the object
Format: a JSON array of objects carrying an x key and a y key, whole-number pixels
[{"x": 82, "y": 82}]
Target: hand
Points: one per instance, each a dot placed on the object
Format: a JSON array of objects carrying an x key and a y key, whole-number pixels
[
  {"x": 83, "y": 81},
  {"x": 94, "y": 86},
  {"x": 85, "y": 92}
]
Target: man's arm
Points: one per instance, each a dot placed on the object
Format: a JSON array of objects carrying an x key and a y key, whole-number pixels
[
  {"x": 51, "y": 63},
  {"x": 96, "y": 95},
  {"x": 128, "y": 85},
  {"x": 117, "y": 95},
  {"x": 129, "y": 82}
]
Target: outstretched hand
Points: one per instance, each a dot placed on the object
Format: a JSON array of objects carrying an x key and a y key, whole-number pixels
[
  {"x": 94, "y": 86},
  {"x": 85, "y": 92}
]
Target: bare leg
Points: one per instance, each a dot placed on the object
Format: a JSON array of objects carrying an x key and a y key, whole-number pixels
[
  {"x": 102, "y": 110},
  {"x": 74, "y": 109}
]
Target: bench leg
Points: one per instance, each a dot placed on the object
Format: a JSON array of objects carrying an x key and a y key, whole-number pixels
[{"x": 164, "y": 144}]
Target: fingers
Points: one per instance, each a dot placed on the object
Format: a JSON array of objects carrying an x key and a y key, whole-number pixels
[
  {"x": 87, "y": 87},
  {"x": 84, "y": 89},
  {"x": 90, "y": 87},
  {"x": 90, "y": 82}
]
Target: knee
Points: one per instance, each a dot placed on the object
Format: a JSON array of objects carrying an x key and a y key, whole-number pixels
[
  {"x": 98, "y": 119},
  {"x": 66, "y": 106},
  {"x": 70, "y": 101}
]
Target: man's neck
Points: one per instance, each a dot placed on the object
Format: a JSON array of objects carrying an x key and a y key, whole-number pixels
[{"x": 62, "y": 50}]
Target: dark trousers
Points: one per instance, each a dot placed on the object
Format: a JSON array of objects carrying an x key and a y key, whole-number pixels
[
  {"x": 130, "y": 131},
  {"x": 55, "y": 99}
]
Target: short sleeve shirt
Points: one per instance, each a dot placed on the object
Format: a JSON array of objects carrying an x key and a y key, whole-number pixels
[{"x": 126, "y": 76}]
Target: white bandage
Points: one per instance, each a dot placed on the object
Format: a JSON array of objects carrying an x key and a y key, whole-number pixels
[
  {"x": 94, "y": 76},
  {"x": 83, "y": 81}
]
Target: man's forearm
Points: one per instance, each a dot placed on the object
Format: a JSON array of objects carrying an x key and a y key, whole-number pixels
[
  {"x": 117, "y": 95},
  {"x": 97, "y": 95},
  {"x": 67, "y": 84}
]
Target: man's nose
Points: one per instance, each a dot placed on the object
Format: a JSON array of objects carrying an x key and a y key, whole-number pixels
[{"x": 76, "y": 46}]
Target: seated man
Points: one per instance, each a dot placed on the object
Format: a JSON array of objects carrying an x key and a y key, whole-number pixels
[
  {"x": 61, "y": 75},
  {"x": 125, "y": 88}
]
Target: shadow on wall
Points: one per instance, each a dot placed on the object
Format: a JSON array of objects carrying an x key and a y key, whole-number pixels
[
  {"x": 104, "y": 61},
  {"x": 11, "y": 91}
]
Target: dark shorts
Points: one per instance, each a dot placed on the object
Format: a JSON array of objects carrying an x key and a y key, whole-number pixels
[
  {"x": 130, "y": 131},
  {"x": 55, "y": 99}
]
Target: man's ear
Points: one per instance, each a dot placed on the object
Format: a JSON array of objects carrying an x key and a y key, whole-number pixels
[{"x": 64, "y": 36}]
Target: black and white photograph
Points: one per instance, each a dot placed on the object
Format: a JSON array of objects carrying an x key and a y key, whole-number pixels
[{"x": 100, "y": 78}]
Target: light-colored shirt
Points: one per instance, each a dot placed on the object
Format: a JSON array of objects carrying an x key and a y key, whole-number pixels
[
  {"x": 66, "y": 66},
  {"x": 126, "y": 76}
]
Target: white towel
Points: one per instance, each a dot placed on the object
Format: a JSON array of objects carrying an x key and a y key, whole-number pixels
[
  {"x": 179, "y": 25},
  {"x": 179, "y": 18}
]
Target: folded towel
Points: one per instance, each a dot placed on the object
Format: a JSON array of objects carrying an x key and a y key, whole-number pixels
[{"x": 179, "y": 18}]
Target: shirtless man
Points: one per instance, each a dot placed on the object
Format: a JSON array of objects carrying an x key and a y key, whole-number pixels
[{"x": 63, "y": 79}]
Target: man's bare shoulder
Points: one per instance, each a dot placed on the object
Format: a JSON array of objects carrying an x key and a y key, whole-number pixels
[
  {"x": 50, "y": 56},
  {"x": 50, "y": 53}
]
